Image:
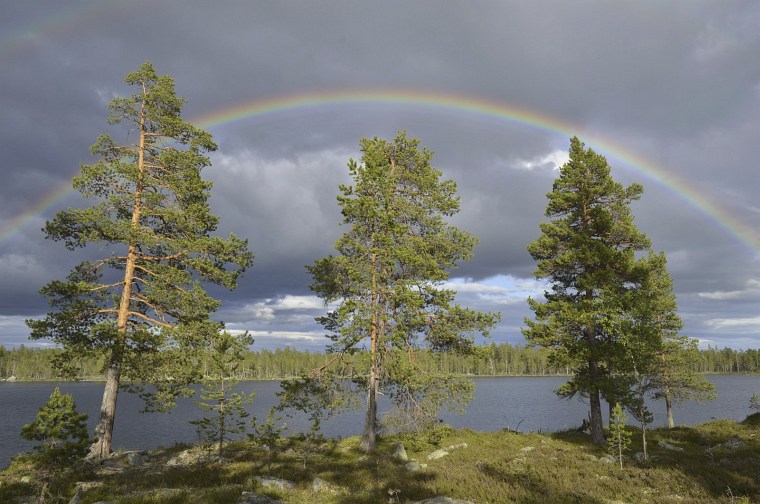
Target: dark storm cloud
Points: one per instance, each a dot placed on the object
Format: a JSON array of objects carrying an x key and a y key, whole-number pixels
[{"x": 679, "y": 85}]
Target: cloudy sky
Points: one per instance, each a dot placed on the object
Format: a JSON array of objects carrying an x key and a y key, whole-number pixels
[{"x": 669, "y": 92}]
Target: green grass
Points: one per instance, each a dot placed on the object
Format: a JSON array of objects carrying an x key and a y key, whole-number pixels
[{"x": 496, "y": 467}]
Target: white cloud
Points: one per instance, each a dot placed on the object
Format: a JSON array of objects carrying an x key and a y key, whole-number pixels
[
  {"x": 498, "y": 290},
  {"x": 282, "y": 308},
  {"x": 751, "y": 290},
  {"x": 556, "y": 158},
  {"x": 269, "y": 340},
  {"x": 739, "y": 324}
]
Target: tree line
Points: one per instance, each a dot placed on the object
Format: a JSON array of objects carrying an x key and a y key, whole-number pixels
[{"x": 502, "y": 359}]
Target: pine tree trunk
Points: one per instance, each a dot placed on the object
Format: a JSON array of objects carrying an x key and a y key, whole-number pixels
[
  {"x": 644, "y": 440},
  {"x": 669, "y": 408},
  {"x": 369, "y": 438},
  {"x": 104, "y": 429},
  {"x": 597, "y": 429}
]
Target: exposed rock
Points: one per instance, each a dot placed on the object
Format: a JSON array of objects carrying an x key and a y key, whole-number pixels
[
  {"x": 669, "y": 446},
  {"x": 445, "y": 451},
  {"x": 639, "y": 456},
  {"x": 413, "y": 466},
  {"x": 608, "y": 459},
  {"x": 442, "y": 500},
  {"x": 437, "y": 454},
  {"x": 527, "y": 448},
  {"x": 733, "y": 443},
  {"x": 399, "y": 453},
  {"x": 252, "y": 498},
  {"x": 187, "y": 457},
  {"x": 137, "y": 458},
  {"x": 320, "y": 485},
  {"x": 276, "y": 483}
]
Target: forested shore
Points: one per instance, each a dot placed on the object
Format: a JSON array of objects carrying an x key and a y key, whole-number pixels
[{"x": 35, "y": 364}]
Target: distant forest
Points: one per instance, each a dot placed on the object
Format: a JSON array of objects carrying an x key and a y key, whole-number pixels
[{"x": 503, "y": 359}]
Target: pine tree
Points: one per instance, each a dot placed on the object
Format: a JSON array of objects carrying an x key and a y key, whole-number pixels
[
  {"x": 619, "y": 438},
  {"x": 668, "y": 362},
  {"x": 142, "y": 305},
  {"x": 587, "y": 253},
  {"x": 387, "y": 278},
  {"x": 61, "y": 429},
  {"x": 226, "y": 407}
]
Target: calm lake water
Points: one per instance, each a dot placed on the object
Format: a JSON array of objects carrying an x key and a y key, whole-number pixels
[{"x": 520, "y": 403}]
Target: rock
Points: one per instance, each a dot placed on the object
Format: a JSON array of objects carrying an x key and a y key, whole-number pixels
[
  {"x": 399, "y": 453},
  {"x": 137, "y": 459},
  {"x": 186, "y": 457},
  {"x": 441, "y": 500},
  {"x": 639, "y": 456},
  {"x": 252, "y": 498},
  {"x": 445, "y": 451},
  {"x": 733, "y": 443},
  {"x": 527, "y": 449},
  {"x": 320, "y": 485},
  {"x": 669, "y": 446},
  {"x": 414, "y": 466},
  {"x": 276, "y": 483},
  {"x": 437, "y": 454},
  {"x": 608, "y": 459}
]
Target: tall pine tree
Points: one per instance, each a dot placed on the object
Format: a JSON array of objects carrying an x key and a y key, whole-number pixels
[
  {"x": 586, "y": 252},
  {"x": 387, "y": 278},
  {"x": 142, "y": 305}
]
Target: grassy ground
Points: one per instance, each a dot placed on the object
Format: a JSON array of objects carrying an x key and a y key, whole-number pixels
[{"x": 719, "y": 463}]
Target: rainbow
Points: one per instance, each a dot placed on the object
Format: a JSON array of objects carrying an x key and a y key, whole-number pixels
[{"x": 502, "y": 112}]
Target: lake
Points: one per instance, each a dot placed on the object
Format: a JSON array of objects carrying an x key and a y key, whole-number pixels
[{"x": 519, "y": 403}]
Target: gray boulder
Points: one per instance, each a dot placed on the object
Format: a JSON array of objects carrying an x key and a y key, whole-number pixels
[
  {"x": 399, "y": 453},
  {"x": 442, "y": 500},
  {"x": 669, "y": 446},
  {"x": 445, "y": 451},
  {"x": 276, "y": 483},
  {"x": 733, "y": 443},
  {"x": 413, "y": 466},
  {"x": 320, "y": 485}
]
